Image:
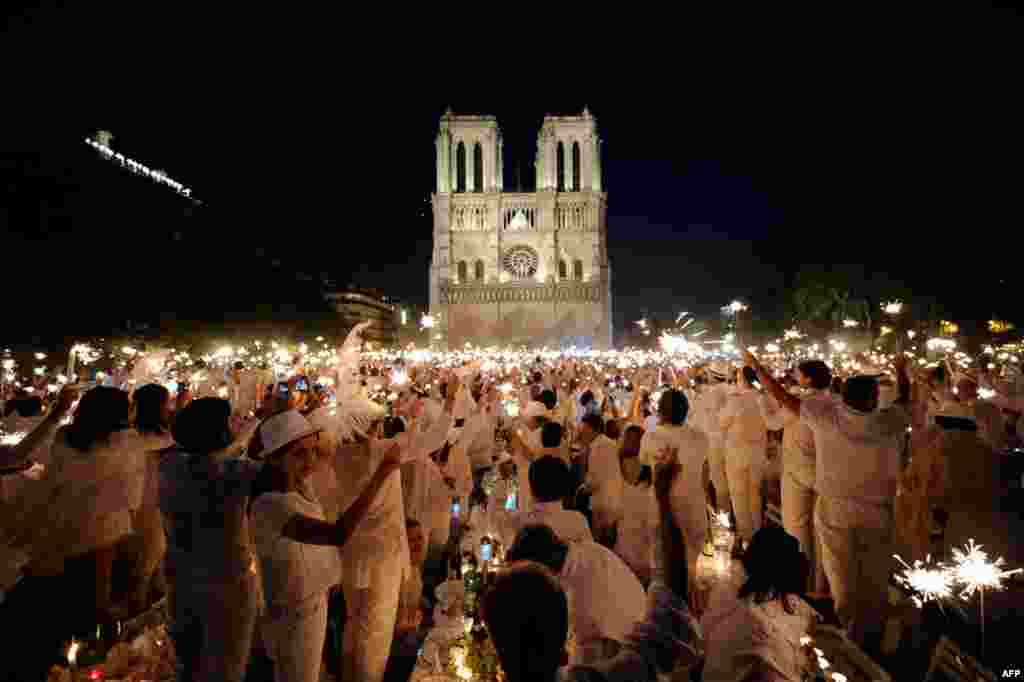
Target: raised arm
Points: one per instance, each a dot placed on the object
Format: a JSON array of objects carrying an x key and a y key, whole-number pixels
[
  {"x": 783, "y": 397},
  {"x": 310, "y": 531},
  {"x": 46, "y": 428}
]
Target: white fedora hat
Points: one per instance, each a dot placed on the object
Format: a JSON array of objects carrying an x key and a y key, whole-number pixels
[{"x": 284, "y": 429}]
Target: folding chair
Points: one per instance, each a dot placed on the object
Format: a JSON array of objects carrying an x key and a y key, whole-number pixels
[{"x": 952, "y": 664}]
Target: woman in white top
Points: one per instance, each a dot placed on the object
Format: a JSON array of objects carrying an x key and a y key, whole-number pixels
[
  {"x": 297, "y": 547},
  {"x": 755, "y": 635},
  {"x": 746, "y": 442}
]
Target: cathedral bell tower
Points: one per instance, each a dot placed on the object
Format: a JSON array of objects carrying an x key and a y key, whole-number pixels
[{"x": 520, "y": 268}]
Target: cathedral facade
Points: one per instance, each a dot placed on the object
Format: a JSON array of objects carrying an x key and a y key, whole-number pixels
[{"x": 520, "y": 268}]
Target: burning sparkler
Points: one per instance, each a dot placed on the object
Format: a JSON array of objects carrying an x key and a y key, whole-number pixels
[
  {"x": 975, "y": 572},
  {"x": 928, "y": 582}
]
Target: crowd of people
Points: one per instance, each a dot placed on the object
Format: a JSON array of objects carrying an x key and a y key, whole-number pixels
[{"x": 311, "y": 523}]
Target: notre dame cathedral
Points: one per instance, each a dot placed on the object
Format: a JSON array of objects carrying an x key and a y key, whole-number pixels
[{"x": 520, "y": 268}]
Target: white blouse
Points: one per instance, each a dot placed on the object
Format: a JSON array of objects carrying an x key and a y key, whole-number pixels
[{"x": 293, "y": 572}]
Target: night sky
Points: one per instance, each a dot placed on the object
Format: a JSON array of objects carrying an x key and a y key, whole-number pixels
[{"x": 892, "y": 143}]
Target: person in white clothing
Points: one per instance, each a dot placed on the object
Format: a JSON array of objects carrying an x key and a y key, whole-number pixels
[
  {"x": 690, "y": 447},
  {"x": 603, "y": 480},
  {"x": 526, "y": 446},
  {"x": 746, "y": 442},
  {"x": 549, "y": 482},
  {"x": 858, "y": 450},
  {"x": 296, "y": 546},
  {"x": 798, "y": 463},
  {"x": 637, "y": 531},
  {"x": 713, "y": 399},
  {"x": 605, "y": 599},
  {"x": 375, "y": 561},
  {"x": 755, "y": 634}
]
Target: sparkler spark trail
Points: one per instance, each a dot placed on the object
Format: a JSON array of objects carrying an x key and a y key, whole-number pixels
[
  {"x": 973, "y": 570},
  {"x": 928, "y": 583}
]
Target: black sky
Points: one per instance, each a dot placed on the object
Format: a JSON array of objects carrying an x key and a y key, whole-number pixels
[{"x": 891, "y": 141}]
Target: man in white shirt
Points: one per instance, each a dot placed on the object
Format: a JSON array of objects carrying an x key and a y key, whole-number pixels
[
  {"x": 798, "y": 462},
  {"x": 604, "y": 478},
  {"x": 549, "y": 480},
  {"x": 857, "y": 473}
]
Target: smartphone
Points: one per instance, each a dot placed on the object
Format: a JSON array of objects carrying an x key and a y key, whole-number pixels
[
  {"x": 302, "y": 384},
  {"x": 486, "y": 552},
  {"x": 283, "y": 390}
]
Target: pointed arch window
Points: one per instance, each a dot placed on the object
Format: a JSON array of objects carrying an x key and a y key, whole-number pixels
[
  {"x": 577, "y": 270},
  {"x": 460, "y": 167},
  {"x": 560, "y": 166},
  {"x": 478, "y": 168},
  {"x": 478, "y": 270},
  {"x": 563, "y": 270},
  {"x": 463, "y": 272},
  {"x": 575, "y": 166}
]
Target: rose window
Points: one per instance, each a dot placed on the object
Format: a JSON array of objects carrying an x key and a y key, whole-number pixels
[{"x": 521, "y": 262}]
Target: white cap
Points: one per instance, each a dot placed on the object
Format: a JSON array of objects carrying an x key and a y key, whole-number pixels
[
  {"x": 284, "y": 429},
  {"x": 535, "y": 409}
]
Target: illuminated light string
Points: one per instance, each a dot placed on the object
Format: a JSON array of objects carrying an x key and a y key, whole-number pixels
[{"x": 140, "y": 169}]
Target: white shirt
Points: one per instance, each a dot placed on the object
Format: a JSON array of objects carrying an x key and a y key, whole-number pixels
[
  {"x": 568, "y": 525},
  {"x": 742, "y": 412},
  {"x": 638, "y": 529},
  {"x": 292, "y": 572},
  {"x": 798, "y": 452},
  {"x": 604, "y": 474},
  {"x": 741, "y": 636},
  {"x": 858, "y": 453},
  {"x": 687, "y": 497},
  {"x": 713, "y": 401},
  {"x": 88, "y": 498},
  {"x": 605, "y": 599}
]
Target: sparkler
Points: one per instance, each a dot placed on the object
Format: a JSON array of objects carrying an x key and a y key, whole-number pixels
[
  {"x": 928, "y": 582},
  {"x": 851, "y": 323},
  {"x": 973, "y": 570}
]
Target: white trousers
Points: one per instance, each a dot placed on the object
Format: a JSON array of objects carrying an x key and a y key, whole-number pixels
[
  {"x": 743, "y": 466},
  {"x": 797, "y": 518},
  {"x": 716, "y": 464},
  {"x": 856, "y": 552},
  {"x": 295, "y": 641},
  {"x": 370, "y": 627}
]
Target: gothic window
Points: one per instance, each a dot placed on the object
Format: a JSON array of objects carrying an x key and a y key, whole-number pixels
[
  {"x": 521, "y": 262},
  {"x": 560, "y": 166},
  {"x": 577, "y": 269},
  {"x": 479, "y": 270},
  {"x": 563, "y": 270},
  {"x": 460, "y": 167},
  {"x": 575, "y": 166},
  {"x": 463, "y": 272},
  {"x": 478, "y": 168}
]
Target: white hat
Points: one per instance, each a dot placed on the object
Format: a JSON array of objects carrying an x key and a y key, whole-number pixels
[
  {"x": 535, "y": 409},
  {"x": 284, "y": 429}
]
